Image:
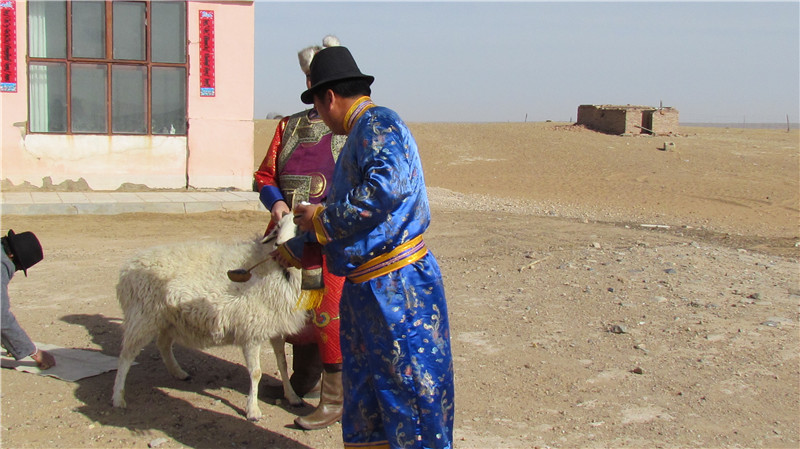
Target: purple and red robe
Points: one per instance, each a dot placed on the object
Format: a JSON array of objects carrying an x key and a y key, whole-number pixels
[{"x": 299, "y": 167}]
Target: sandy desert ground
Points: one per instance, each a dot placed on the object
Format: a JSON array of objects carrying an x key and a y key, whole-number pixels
[{"x": 573, "y": 325}]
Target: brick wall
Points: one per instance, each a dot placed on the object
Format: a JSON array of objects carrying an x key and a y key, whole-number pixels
[
  {"x": 625, "y": 120},
  {"x": 665, "y": 121}
]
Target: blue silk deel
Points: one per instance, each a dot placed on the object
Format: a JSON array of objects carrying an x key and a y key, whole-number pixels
[{"x": 398, "y": 369}]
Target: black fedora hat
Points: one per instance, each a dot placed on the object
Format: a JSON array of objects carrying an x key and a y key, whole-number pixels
[
  {"x": 25, "y": 248},
  {"x": 329, "y": 65}
]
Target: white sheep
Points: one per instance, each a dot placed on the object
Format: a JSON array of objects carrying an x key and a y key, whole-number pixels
[{"x": 181, "y": 293}]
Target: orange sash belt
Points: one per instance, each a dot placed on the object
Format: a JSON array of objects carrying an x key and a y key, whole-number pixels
[{"x": 405, "y": 254}]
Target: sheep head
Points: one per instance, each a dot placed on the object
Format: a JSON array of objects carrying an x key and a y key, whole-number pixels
[{"x": 284, "y": 231}]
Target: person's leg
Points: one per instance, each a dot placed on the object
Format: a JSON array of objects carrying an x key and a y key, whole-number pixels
[
  {"x": 409, "y": 356},
  {"x": 14, "y": 338},
  {"x": 362, "y": 420},
  {"x": 306, "y": 368},
  {"x": 327, "y": 323},
  {"x": 326, "y": 319},
  {"x": 430, "y": 352}
]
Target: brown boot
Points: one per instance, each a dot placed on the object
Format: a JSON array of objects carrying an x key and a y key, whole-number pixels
[{"x": 329, "y": 409}]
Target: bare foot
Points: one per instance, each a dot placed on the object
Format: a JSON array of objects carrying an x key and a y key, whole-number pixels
[{"x": 44, "y": 359}]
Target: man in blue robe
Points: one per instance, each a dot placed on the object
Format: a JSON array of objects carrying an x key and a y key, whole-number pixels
[{"x": 395, "y": 334}]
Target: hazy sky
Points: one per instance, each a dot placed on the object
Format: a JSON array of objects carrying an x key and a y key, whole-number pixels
[{"x": 501, "y": 61}]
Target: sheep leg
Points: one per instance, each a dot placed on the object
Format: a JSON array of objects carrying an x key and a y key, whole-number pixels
[
  {"x": 134, "y": 339},
  {"x": 279, "y": 347},
  {"x": 164, "y": 343},
  {"x": 252, "y": 357}
]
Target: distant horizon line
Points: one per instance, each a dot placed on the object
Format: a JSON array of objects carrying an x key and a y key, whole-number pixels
[
  {"x": 742, "y": 125},
  {"x": 754, "y": 125}
]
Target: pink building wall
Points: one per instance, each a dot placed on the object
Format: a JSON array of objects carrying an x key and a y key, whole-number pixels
[
  {"x": 216, "y": 152},
  {"x": 221, "y": 127}
]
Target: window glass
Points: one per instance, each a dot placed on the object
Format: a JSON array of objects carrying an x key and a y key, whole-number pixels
[
  {"x": 168, "y": 31},
  {"x": 89, "y": 29},
  {"x": 129, "y": 99},
  {"x": 47, "y": 29},
  {"x": 48, "y": 97},
  {"x": 169, "y": 100},
  {"x": 141, "y": 89},
  {"x": 88, "y": 98},
  {"x": 129, "y": 30}
]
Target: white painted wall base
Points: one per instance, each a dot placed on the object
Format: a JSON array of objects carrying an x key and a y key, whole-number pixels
[{"x": 105, "y": 162}]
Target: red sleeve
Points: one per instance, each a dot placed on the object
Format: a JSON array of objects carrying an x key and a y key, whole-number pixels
[{"x": 266, "y": 174}]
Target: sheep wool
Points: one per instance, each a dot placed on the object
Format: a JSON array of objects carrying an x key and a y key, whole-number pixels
[{"x": 181, "y": 293}]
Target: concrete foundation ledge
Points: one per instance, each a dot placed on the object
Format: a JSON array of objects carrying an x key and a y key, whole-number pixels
[{"x": 111, "y": 203}]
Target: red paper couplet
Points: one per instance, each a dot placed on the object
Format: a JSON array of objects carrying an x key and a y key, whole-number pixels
[
  {"x": 207, "y": 54},
  {"x": 8, "y": 46}
]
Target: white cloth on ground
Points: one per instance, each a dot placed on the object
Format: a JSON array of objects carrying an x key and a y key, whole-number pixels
[{"x": 71, "y": 364}]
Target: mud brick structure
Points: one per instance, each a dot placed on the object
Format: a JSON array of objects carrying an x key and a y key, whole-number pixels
[{"x": 628, "y": 120}]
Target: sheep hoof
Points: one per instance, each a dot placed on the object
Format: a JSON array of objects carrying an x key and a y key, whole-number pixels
[
  {"x": 179, "y": 374},
  {"x": 119, "y": 402},
  {"x": 254, "y": 417}
]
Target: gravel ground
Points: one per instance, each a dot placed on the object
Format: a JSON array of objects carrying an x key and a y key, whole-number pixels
[{"x": 573, "y": 325}]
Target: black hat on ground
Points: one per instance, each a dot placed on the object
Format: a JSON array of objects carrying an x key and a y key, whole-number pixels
[
  {"x": 329, "y": 65},
  {"x": 25, "y": 248}
]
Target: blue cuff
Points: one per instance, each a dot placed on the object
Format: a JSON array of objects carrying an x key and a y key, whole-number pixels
[{"x": 268, "y": 196}]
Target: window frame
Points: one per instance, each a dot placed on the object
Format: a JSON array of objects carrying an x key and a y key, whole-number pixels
[{"x": 110, "y": 62}]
